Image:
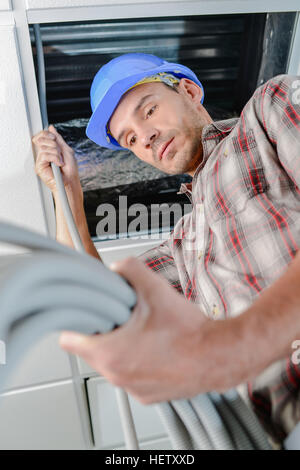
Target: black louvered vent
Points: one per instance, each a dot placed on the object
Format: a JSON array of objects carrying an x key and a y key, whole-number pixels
[{"x": 215, "y": 47}]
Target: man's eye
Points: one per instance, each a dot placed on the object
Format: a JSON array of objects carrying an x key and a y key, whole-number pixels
[
  {"x": 151, "y": 111},
  {"x": 132, "y": 140}
]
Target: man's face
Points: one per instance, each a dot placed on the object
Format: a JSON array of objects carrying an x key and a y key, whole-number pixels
[{"x": 161, "y": 127}]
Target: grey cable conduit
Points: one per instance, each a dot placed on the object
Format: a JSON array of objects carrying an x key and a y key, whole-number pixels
[
  {"x": 63, "y": 289},
  {"x": 56, "y": 171},
  {"x": 210, "y": 421}
]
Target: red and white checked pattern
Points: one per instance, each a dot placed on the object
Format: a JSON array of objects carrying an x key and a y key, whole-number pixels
[{"x": 244, "y": 229}]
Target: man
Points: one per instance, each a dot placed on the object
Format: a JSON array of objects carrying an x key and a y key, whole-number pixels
[{"x": 235, "y": 253}]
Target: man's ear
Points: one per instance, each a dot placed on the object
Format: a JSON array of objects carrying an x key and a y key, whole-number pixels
[{"x": 190, "y": 89}]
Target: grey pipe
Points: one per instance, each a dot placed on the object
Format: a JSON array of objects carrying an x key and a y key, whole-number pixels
[
  {"x": 56, "y": 171},
  {"x": 47, "y": 280}
]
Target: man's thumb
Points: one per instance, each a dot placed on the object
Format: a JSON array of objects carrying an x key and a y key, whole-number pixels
[
  {"x": 141, "y": 278},
  {"x": 75, "y": 343}
]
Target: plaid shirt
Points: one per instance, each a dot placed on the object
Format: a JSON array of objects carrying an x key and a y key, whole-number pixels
[{"x": 244, "y": 228}]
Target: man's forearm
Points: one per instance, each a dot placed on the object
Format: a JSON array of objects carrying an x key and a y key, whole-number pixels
[
  {"x": 62, "y": 231},
  {"x": 240, "y": 348},
  {"x": 274, "y": 319}
]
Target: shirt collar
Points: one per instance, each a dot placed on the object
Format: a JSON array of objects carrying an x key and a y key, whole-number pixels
[
  {"x": 212, "y": 134},
  {"x": 215, "y": 132},
  {"x": 217, "y": 128}
]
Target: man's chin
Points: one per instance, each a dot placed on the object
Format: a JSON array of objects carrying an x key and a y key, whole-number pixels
[{"x": 180, "y": 165}]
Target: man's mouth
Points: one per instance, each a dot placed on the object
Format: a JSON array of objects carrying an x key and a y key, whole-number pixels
[{"x": 164, "y": 149}]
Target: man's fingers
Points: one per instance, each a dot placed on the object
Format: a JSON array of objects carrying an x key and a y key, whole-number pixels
[
  {"x": 59, "y": 138},
  {"x": 52, "y": 129},
  {"x": 95, "y": 349},
  {"x": 43, "y": 135},
  {"x": 46, "y": 142},
  {"x": 45, "y": 161}
]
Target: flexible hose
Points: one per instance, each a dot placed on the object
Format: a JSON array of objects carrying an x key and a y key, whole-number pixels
[
  {"x": 63, "y": 289},
  {"x": 56, "y": 171}
]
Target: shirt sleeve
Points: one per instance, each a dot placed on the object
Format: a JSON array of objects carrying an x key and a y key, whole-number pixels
[
  {"x": 160, "y": 259},
  {"x": 278, "y": 105}
]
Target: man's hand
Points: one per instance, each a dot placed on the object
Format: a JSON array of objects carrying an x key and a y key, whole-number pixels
[
  {"x": 155, "y": 355},
  {"x": 168, "y": 349},
  {"x": 51, "y": 147}
]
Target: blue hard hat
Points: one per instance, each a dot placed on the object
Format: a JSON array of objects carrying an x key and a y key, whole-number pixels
[{"x": 114, "y": 79}]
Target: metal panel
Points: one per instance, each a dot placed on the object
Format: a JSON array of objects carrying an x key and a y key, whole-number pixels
[
  {"x": 276, "y": 46},
  {"x": 45, "y": 11},
  {"x": 52, "y": 4},
  {"x": 159, "y": 444},
  {"x": 6, "y": 18},
  {"x": 106, "y": 420},
  {"x": 44, "y": 362},
  {"x": 45, "y": 417},
  {"x": 5, "y": 5},
  {"x": 6, "y": 15}
]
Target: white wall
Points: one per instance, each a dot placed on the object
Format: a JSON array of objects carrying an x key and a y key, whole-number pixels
[{"x": 20, "y": 199}]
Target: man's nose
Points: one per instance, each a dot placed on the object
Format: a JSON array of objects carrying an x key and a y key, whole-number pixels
[{"x": 148, "y": 138}]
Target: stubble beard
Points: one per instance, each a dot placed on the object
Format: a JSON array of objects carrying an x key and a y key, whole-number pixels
[{"x": 187, "y": 159}]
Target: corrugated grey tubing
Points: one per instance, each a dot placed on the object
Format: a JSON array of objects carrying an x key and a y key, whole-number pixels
[{"x": 54, "y": 288}]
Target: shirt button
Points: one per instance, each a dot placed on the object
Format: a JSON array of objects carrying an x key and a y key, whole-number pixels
[
  {"x": 215, "y": 311},
  {"x": 200, "y": 254},
  {"x": 226, "y": 152}
]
